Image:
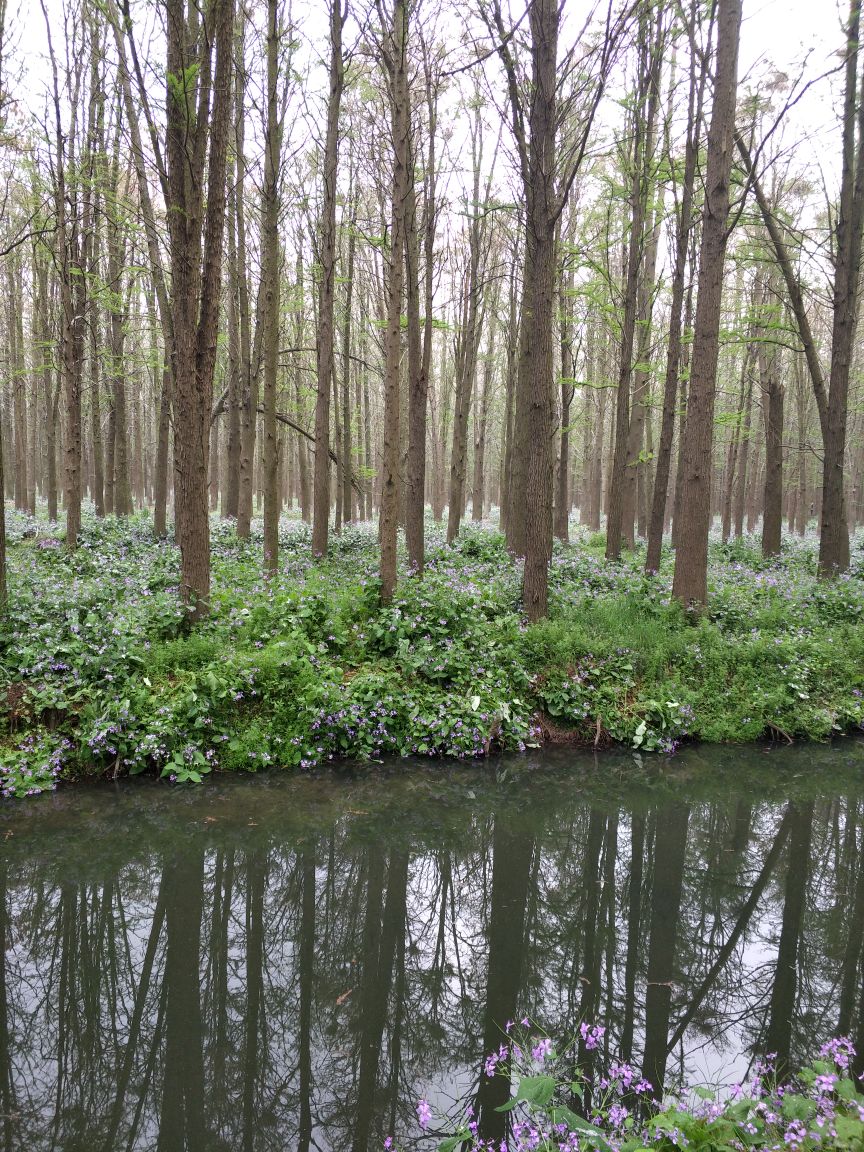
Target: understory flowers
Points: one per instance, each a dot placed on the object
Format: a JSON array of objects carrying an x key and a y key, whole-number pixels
[
  {"x": 552, "y": 1109},
  {"x": 101, "y": 674}
]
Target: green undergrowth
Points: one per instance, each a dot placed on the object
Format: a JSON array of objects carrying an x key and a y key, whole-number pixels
[{"x": 101, "y": 673}]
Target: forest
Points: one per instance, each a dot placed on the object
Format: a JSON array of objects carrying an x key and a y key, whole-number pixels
[
  {"x": 431, "y": 576},
  {"x": 387, "y": 377}
]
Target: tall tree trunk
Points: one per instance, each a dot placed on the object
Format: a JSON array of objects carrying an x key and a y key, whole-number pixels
[
  {"x": 635, "y": 466},
  {"x": 546, "y": 189},
  {"x": 418, "y": 377},
  {"x": 248, "y": 377},
  {"x": 568, "y": 388},
  {"x": 772, "y": 408},
  {"x": 834, "y": 534},
  {"x": 270, "y": 288},
  {"x": 396, "y": 67},
  {"x": 648, "y": 242},
  {"x": 690, "y": 581},
  {"x": 472, "y": 307},
  {"x": 641, "y": 161},
  {"x": 231, "y": 489},
  {"x": 324, "y": 342},
  {"x": 15, "y": 333},
  {"x": 72, "y": 297},
  {"x": 195, "y": 241},
  {"x": 735, "y": 440},
  {"x": 482, "y": 421},
  {"x": 345, "y": 450},
  {"x": 801, "y": 509},
  {"x": 122, "y": 495},
  {"x": 299, "y": 336},
  {"x": 512, "y": 372}
]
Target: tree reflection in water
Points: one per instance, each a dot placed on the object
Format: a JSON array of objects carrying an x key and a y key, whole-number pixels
[{"x": 291, "y": 963}]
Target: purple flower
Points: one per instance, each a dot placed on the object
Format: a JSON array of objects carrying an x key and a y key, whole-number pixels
[
  {"x": 617, "y": 1115},
  {"x": 591, "y": 1034},
  {"x": 424, "y": 1114},
  {"x": 495, "y": 1058},
  {"x": 840, "y": 1050}
]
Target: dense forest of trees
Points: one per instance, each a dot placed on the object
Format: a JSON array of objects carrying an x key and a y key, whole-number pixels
[{"x": 388, "y": 255}]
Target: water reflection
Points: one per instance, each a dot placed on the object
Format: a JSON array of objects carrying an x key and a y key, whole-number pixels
[{"x": 290, "y": 963}]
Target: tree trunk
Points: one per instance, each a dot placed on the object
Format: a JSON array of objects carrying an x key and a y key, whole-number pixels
[
  {"x": 635, "y": 465},
  {"x": 643, "y": 113},
  {"x": 772, "y": 408},
  {"x": 4, "y": 600},
  {"x": 568, "y": 388},
  {"x": 324, "y": 341},
  {"x": 195, "y": 242},
  {"x": 482, "y": 415},
  {"x": 690, "y": 581},
  {"x": 345, "y": 450},
  {"x": 248, "y": 378},
  {"x": 418, "y": 363},
  {"x": 231, "y": 489},
  {"x": 270, "y": 289},
  {"x": 396, "y": 67},
  {"x": 834, "y": 534},
  {"x": 468, "y": 340}
]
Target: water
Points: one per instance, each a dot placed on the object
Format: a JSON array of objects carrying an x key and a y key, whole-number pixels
[{"x": 290, "y": 962}]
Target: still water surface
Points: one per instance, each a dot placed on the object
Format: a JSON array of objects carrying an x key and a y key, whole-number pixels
[{"x": 289, "y": 962}]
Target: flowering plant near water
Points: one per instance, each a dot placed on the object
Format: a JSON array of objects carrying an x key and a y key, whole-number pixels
[
  {"x": 613, "y": 1110},
  {"x": 101, "y": 673}
]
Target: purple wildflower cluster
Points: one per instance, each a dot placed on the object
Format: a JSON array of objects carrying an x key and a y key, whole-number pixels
[
  {"x": 820, "y": 1110},
  {"x": 34, "y": 764},
  {"x": 591, "y": 1034}
]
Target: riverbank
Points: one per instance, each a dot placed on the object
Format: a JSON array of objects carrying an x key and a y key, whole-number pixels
[{"x": 100, "y": 674}]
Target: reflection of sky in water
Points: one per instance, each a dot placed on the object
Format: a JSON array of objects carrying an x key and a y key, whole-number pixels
[{"x": 360, "y": 914}]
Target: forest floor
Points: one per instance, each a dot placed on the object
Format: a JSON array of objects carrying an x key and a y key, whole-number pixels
[{"x": 101, "y": 675}]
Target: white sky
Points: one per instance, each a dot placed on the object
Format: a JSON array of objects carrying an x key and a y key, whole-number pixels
[{"x": 779, "y": 31}]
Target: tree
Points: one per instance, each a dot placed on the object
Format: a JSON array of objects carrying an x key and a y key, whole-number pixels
[
  {"x": 70, "y": 263},
  {"x": 420, "y": 355},
  {"x": 690, "y": 581},
  {"x": 546, "y": 178},
  {"x": 270, "y": 286},
  {"x": 642, "y": 160},
  {"x": 325, "y": 342},
  {"x": 834, "y": 529},
  {"x": 393, "y": 52},
  {"x": 198, "y": 108}
]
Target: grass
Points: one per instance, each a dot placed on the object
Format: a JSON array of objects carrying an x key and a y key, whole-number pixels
[{"x": 102, "y": 675}]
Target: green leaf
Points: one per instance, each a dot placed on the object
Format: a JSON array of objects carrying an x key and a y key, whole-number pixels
[
  {"x": 846, "y": 1090},
  {"x": 451, "y": 1142},
  {"x": 536, "y": 1090},
  {"x": 564, "y": 1115},
  {"x": 848, "y": 1128},
  {"x": 741, "y": 1109},
  {"x": 796, "y": 1107}
]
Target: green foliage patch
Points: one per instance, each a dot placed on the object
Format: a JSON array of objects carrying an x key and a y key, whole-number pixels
[{"x": 100, "y": 673}]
